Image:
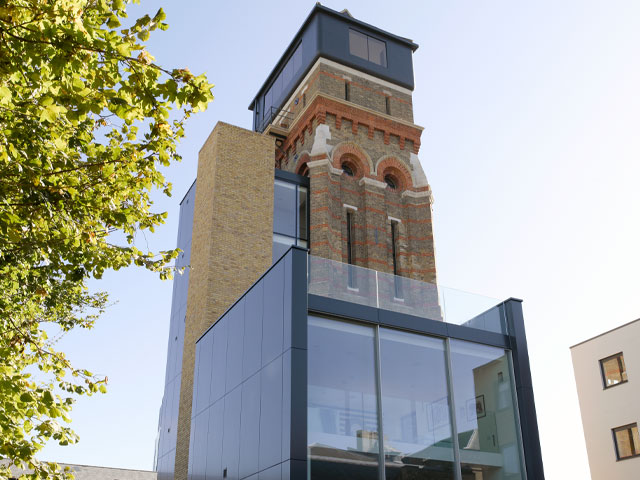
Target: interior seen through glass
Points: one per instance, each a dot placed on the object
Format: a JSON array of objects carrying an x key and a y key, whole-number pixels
[
  {"x": 290, "y": 226},
  {"x": 410, "y": 393}
]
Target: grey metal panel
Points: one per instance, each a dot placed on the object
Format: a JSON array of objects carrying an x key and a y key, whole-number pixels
[
  {"x": 173, "y": 425},
  {"x": 286, "y": 405},
  {"x": 524, "y": 390},
  {"x": 273, "y": 473},
  {"x": 199, "y": 446},
  {"x": 215, "y": 441},
  {"x": 235, "y": 340},
  {"x": 231, "y": 444},
  {"x": 271, "y": 414},
  {"x": 253, "y": 313},
  {"x": 219, "y": 367},
  {"x": 175, "y": 343},
  {"x": 203, "y": 373},
  {"x": 250, "y": 426},
  {"x": 272, "y": 331},
  {"x": 287, "y": 299},
  {"x": 334, "y": 43},
  {"x": 298, "y": 426}
]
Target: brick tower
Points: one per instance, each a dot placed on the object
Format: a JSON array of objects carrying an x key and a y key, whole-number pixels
[
  {"x": 347, "y": 124},
  {"x": 334, "y": 119}
]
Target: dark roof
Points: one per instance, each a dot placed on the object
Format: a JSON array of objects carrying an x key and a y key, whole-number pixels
[{"x": 344, "y": 15}]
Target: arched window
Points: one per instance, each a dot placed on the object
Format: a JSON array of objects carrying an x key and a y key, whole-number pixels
[
  {"x": 391, "y": 181},
  {"x": 346, "y": 168}
]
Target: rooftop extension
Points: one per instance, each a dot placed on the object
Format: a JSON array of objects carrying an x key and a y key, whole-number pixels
[{"x": 339, "y": 37}]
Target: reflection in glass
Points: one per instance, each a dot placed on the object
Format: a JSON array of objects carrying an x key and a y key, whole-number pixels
[
  {"x": 613, "y": 370},
  {"x": 627, "y": 441},
  {"x": 377, "y": 52},
  {"x": 485, "y": 413},
  {"x": 302, "y": 213},
  {"x": 342, "y": 405},
  {"x": 416, "y": 420},
  {"x": 284, "y": 208},
  {"x": 358, "y": 44}
]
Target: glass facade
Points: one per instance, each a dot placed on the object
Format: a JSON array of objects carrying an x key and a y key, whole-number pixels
[
  {"x": 281, "y": 84},
  {"x": 431, "y": 408},
  {"x": 290, "y": 217},
  {"x": 416, "y": 416},
  {"x": 485, "y": 413},
  {"x": 342, "y": 423}
]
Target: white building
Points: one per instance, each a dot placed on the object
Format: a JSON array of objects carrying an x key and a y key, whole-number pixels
[{"x": 607, "y": 372}]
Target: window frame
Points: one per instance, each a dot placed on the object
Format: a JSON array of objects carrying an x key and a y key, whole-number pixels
[
  {"x": 603, "y": 374},
  {"x": 368, "y": 59},
  {"x": 628, "y": 427}
]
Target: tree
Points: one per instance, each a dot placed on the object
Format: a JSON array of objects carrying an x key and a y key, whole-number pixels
[{"x": 86, "y": 119}]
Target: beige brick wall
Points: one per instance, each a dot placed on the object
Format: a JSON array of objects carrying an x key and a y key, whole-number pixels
[{"x": 231, "y": 243}]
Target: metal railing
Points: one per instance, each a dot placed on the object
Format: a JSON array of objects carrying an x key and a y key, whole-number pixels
[{"x": 281, "y": 118}]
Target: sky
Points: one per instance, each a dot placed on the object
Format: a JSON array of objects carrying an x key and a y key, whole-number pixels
[{"x": 531, "y": 116}]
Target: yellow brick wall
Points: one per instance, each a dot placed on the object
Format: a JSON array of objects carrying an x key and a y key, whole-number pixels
[{"x": 231, "y": 243}]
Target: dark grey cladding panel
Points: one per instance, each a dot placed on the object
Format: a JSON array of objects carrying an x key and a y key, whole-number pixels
[
  {"x": 168, "y": 420},
  {"x": 272, "y": 473},
  {"x": 253, "y": 314},
  {"x": 273, "y": 318},
  {"x": 199, "y": 446},
  {"x": 271, "y": 414},
  {"x": 286, "y": 405},
  {"x": 215, "y": 441},
  {"x": 287, "y": 303},
  {"x": 235, "y": 341},
  {"x": 250, "y": 426},
  {"x": 231, "y": 443},
  {"x": 219, "y": 372},
  {"x": 202, "y": 385}
]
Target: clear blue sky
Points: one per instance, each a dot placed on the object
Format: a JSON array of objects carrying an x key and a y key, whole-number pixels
[{"x": 531, "y": 145}]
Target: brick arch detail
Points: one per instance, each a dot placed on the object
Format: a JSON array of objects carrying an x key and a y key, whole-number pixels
[
  {"x": 354, "y": 151},
  {"x": 302, "y": 160},
  {"x": 390, "y": 164}
]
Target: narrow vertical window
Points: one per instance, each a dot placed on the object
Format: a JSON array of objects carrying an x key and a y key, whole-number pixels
[
  {"x": 394, "y": 253},
  {"x": 347, "y": 91},
  {"x": 304, "y": 100},
  {"x": 351, "y": 280},
  {"x": 350, "y": 258},
  {"x": 394, "y": 236},
  {"x": 387, "y": 105}
]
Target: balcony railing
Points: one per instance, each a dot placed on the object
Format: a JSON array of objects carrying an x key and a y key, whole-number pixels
[
  {"x": 364, "y": 286},
  {"x": 280, "y": 118}
]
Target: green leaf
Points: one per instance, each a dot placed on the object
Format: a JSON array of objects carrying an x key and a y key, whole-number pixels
[{"x": 5, "y": 95}]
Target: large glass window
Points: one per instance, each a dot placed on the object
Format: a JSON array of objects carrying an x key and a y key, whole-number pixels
[
  {"x": 484, "y": 411},
  {"x": 368, "y": 48},
  {"x": 290, "y": 222},
  {"x": 627, "y": 441},
  {"x": 416, "y": 421},
  {"x": 342, "y": 413},
  {"x": 447, "y": 412},
  {"x": 613, "y": 370},
  {"x": 282, "y": 82}
]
